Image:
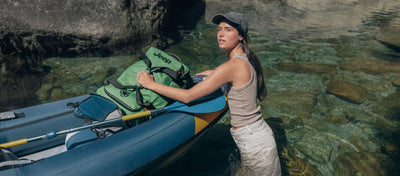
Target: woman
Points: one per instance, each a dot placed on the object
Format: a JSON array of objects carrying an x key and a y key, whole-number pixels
[{"x": 242, "y": 74}]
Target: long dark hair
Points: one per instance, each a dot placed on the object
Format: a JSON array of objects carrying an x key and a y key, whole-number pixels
[{"x": 254, "y": 61}]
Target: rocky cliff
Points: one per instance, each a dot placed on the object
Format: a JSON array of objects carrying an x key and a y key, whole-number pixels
[{"x": 33, "y": 30}]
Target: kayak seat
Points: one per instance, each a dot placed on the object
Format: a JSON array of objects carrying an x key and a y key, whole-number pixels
[{"x": 80, "y": 138}]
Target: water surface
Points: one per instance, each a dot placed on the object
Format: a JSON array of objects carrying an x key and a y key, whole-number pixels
[{"x": 317, "y": 133}]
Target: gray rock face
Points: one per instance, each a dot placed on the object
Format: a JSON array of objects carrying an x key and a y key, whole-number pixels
[
  {"x": 32, "y": 30},
  {"x": 79, "y": 27}
]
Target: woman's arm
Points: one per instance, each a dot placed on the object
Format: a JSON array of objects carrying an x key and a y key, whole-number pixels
[
  {"x": 218, "y": 77},
  {"x": 205, "y": 73}
]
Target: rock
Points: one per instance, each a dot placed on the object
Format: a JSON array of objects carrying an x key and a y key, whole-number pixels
[
  {"x": 371, "y": 66},
  {"x": 44, "y": 92},
  {"x": 347, "y": 91},
  {"x": 392, "y": 107},
  {"x": 337, "y": 120},
  {"x": 396, "y": 82},
  {"x": 360, "y": 143},
  {"x": 294, "y": 165},
  {"x": 308, "y": 68},
  {"x": 315, "y": 145},
  {"x": 285, "y": 118},
  {"x": 299, "y": 104},
  {"x": 391, "y": 100},
  {"x": 318, "y": 5},
  {"x": 32, "y": 31},
  {"x": 389, "y": 34},
  {"x": 72, "y": 27},
  {"x": 16, "y": 89},
  {"x": 363, "y": 163}
]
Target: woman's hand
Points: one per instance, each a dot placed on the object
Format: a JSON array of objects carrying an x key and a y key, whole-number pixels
[{"x": 144, "y": 79}]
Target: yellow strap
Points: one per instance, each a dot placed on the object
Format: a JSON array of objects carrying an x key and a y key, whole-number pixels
[
  {"x": 14, "y": 143},
  {"x": 136, "y": 115}
]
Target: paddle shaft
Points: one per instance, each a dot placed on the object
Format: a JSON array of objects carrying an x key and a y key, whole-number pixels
[{"x": 53, "y": 134}]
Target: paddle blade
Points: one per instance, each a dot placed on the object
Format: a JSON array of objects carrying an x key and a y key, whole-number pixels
[{"x": 211, "y": 103}]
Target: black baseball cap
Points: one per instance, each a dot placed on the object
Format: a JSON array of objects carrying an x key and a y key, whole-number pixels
[{"x": 233, "y": 17}]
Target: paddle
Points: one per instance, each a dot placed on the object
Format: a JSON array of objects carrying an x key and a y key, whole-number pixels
[{"x": 207, "y": 104}]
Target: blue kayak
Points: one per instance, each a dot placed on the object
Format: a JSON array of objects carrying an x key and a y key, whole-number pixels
[{"x": 150, "y": 145}]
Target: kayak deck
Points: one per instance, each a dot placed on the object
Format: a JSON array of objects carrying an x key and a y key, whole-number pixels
[{"x": 155, "y": 142}]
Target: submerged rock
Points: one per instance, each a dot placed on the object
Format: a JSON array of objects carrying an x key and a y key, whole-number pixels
[
  {"x": 337, "y": 120},
  {"x": 316, "y": 146},
  {"x": 350, "y": 92},
  {"x": 308, "y": 68},
  {"x": 392, "y": 107},
  {"x": 300, "y": 104},
  {"x": 363, "y": 163},
  {"x": 396, "y": 82},
  {"x": 389, "y": 34},
  {"x": 294, "y": 165},
  {"x": 371, "y": 66}
]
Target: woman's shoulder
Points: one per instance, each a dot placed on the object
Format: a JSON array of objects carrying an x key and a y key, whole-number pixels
[
  {"x": 233, "y": 63},
  {"x": 239, "y": 62}
]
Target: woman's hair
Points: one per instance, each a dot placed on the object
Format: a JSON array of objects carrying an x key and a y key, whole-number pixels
[{"x": 254, "y": 61}]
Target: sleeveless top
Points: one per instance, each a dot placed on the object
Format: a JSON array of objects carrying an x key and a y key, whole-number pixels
[{"x": 242, "y": 101}]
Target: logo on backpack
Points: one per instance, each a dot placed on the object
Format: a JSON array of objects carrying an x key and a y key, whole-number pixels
[
  {"x": 166, "y": 60},
  {"x": 124, "y": 93}
]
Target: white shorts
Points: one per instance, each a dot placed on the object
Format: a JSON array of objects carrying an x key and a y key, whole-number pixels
[{"x": 258, "y": 149}]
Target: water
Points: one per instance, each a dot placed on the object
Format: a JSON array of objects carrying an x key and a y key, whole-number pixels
[{"x": 317, "y": 133}]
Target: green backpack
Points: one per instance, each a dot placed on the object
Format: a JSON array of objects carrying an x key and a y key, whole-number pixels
[{"x": 130, "y": 97}]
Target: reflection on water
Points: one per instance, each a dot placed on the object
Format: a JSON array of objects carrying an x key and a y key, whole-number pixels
[{"x": 318, "y": 133}]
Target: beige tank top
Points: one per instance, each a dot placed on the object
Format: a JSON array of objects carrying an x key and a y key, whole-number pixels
[{"x": 242, "y": 101}]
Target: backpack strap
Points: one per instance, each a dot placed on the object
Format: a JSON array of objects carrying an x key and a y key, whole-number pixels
[
  {"x": 146, "y": 60},
  {"x": 118, "y": 85},
  {"x": 139, "y": 97},
  {"x": 178, "y": 76},
  {"x": 139, "y": 100}
]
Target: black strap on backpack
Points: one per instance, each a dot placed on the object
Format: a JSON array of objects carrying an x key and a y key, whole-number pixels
[
  {"x": 139, "y": 100},
  {"x": 118, "y": 85},
  {"x": 139, "y": 97},
  {"x": 179, "y": 77}
]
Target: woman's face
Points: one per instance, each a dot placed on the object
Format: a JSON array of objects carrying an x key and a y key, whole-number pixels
[{"x": 228, "y": 36}]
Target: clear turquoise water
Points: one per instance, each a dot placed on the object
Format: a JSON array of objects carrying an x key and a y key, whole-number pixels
[{"x": 298, "y": 107}]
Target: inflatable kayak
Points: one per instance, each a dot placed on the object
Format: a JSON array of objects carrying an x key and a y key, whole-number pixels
[{"x": 143, "y": 148}]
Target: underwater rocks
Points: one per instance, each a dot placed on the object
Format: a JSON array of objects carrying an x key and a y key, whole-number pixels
[
  {"x": 391, "y": 104},
  {"x": 389, "y": 34},
  {"x": 314, "y": 144},
  {"x": 347, "y": 91},
  {"x": 371, "y": 66},
  {"x": 294, "y": 165},
  {"x": 396, "y": 82},
  {"x": 300, "y": 104},
  {"x": 363, "y": 163},
  {"x": 16, "y": 89},
  {"x": 308, "y": 68}
]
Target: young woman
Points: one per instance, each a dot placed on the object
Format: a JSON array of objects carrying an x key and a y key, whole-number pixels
[{"x": 242, "y": 74}]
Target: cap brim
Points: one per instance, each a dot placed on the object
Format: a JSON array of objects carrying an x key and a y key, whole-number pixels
[{"x": 218, "y": 18}]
